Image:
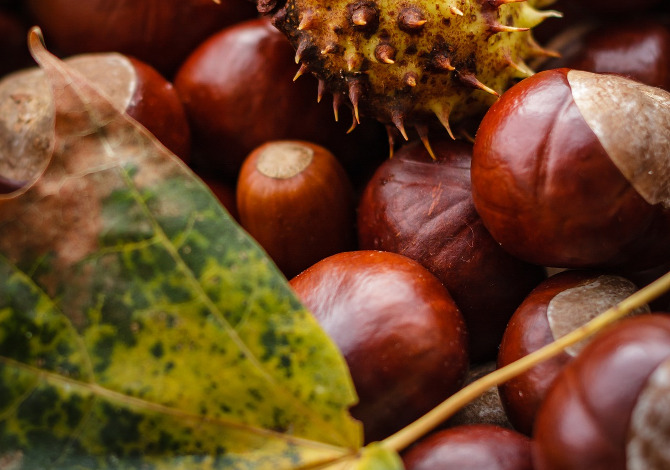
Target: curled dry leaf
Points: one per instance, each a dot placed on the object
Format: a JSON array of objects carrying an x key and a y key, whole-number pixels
[{"x": 140, "y": 327}]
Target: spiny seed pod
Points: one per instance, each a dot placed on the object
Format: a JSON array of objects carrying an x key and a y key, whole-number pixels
[{"x": 412, "y": 63}]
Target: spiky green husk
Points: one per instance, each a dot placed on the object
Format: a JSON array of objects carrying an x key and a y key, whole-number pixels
[{"x": 411, "y": 63}]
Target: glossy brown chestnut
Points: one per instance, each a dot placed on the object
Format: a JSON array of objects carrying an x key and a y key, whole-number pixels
[
  {"x": 473, "y": 447},
  {"x": 159, "y": 32},
  {"x": 422, "y": 208},
  {"x": 636, "y": 49},
  {"x": 608, "y": 409},
  {"x": 568, "y": 171},
  {"x": 26, "y": 133},
  {"x": 238, "y": 91},
  {"x": 155, "y": 104},
  {"x": 400, "y": 332},
  {"x": 296, "y": 200},
  {"x": 557, "y": 306}
]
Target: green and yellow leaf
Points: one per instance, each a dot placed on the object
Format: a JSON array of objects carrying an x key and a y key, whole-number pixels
[{"x": 141, "y": 328}]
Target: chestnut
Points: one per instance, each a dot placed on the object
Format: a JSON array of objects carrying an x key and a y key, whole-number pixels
[
  {"x": 398, "y": 329},
  {"x": 569, "y": 170},
  {"x": 557, "y": 306},
  {"x": 422, "y": 208},
  {"x": 636, "y": 49},
  {"x": 238, "y": 91},
  {"x": 27, "y": 113},
  {"x": 486, "y": 408},
  {"x": 296, "y": 200},
  {"x": 159, "y": 32},
  {"x": 609, "y": 408},
  {"x": 471, "y": 447}
]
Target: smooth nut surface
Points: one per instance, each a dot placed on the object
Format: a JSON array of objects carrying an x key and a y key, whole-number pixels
[
  {"x": 547, "y": 189},
  {"x": 159, "y": 32},
  {"x": 296, "y": 200},
  {"x": 634, "y": 48},
  {"x": 422, "y": 208},
  {"x": 554, "y": 308},
  {"x": 400, "y": 332},
  {"x": 584, "y": 420},
  {"x": 473, "y": 447}
]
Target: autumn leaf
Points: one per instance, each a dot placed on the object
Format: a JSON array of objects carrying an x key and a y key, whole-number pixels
[{"x": 141, "y": 328}]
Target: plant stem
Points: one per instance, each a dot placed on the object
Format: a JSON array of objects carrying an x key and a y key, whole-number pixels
[{"x": 406, "y": 436}]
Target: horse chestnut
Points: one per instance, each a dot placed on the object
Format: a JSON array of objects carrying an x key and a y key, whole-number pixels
[
  {"x": 570, "y": 169},
  {"x": 609, "y": 408},
  {"x": 422, "y": 208},
  {"x": 159, "y": 32},
  {"x": 133, "y": 87},
  {"x": 556, "y": 307},
  {"x": 400, "y": 332},
  {"x": 635, "y": 49},
  {"x": 486, "y": 408},
  {"x": 238, "y": 91},
  {"x": 472, "y": 447},
  {"x": 296, "y": 200}
]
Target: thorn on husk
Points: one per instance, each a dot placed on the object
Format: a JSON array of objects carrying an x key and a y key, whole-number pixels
[
  {"x": 398, "y": 119},
  {"x": 422, "y": 130},
  {"x": 385, "y": 53},
  {"x": 301, "y": 71}
]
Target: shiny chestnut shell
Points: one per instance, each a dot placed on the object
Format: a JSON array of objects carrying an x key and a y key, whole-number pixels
[
  {"x": 637, "y": 49},
  {"x": 563, "y": 302},
  {"x": 584, "y": 422},
  {"x": 422, "y": 208},
  {"x": 239, "y": 92},
  {"x": 548, "y": 191},
  {"x": 296, "y": 200},
  {"x": 400, "y": 332},
  {"x": 133, "y": 87},
  {"x": 471, "y": 447},
  {"x": 159, "y": 32},
  {"x": 156, "y": 105}
]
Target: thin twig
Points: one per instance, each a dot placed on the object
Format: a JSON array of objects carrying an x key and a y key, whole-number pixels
[{"x": 406, "y": 436}]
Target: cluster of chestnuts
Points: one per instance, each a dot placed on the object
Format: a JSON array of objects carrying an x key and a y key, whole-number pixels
[{"x": 454, "y": 256}]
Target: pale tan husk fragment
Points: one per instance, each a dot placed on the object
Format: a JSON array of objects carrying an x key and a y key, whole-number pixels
[{"x": 632, "y": 122}]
